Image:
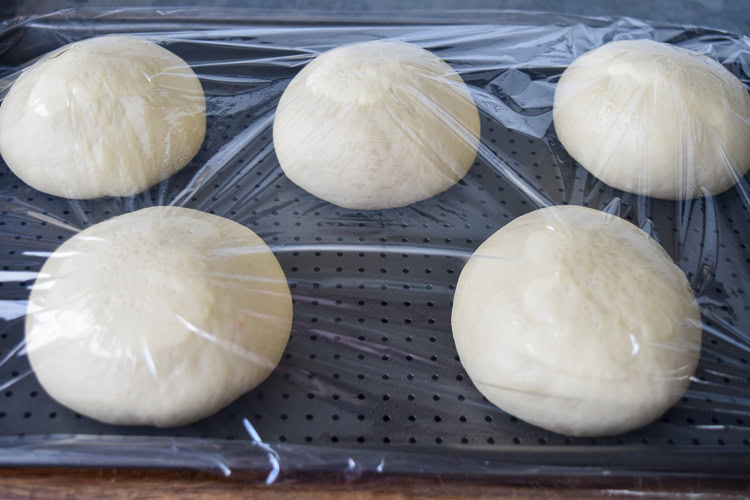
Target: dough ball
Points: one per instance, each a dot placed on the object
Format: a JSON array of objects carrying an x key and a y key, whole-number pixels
[
  {"x": 108, "y": 116},
  {"x": 656, "y": 120},
  {"x": 576, "y": 321},
  {"x": 159, "y": 317},
  {"x": 376, "y": 125}
]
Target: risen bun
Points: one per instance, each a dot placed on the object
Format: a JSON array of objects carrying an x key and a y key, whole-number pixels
[
  {"x": 161, "y": 317},
  {"x": 108, "y": 116},
  {"x": 376, "y": 125},
  {"x": 576, "y": 321},
  {"x": 653, "y": 119}
]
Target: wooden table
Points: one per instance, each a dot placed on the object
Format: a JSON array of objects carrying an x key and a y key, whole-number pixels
[{"x": 20, "y": 483}]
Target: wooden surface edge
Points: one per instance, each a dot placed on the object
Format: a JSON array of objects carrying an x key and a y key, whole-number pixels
[{"x": 17, "y": 483}]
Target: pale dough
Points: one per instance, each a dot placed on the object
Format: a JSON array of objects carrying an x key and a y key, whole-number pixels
[
  {"x": 376, "y": 125},
  {"x": 576, "y": 321},
  {"x": 160, "y": 317},
  {"x": 653, "y": 119},
  {"x": 108, "y": 116}
]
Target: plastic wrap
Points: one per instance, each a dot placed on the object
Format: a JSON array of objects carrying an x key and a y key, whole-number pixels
[{"x": 370, "y": 381}]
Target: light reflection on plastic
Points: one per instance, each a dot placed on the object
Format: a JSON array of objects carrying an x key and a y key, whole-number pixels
[
  {"x": 635, "y": 344},
  {"x": 12, "y": 309},
  {"x": 245, "y": 353},
  {"x": 273, "y": 456},
  {"x": 41, "y": 110}
]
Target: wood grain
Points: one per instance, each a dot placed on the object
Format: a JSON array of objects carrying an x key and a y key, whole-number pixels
[{"x": 153, "y": 484}]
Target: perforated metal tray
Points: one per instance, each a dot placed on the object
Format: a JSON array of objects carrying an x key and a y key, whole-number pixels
[{"x": 371, "y": 370}]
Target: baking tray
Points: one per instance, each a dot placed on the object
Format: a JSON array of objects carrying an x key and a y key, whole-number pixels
[{"x": 370, "y": 381}]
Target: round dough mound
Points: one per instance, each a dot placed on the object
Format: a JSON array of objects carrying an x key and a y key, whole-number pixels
[
  {"x": 376, "y": 125},
  {"x": 159, "y": 317},
  {"x": 653, "y": 119},
  {"x": 109, "y": 116},
  {"x": 576, "y": 321}
]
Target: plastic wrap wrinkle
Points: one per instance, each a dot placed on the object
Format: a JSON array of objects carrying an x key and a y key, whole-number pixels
[
  {"x": 370, "y": 381},
  {"x": 273, "y": 457}
]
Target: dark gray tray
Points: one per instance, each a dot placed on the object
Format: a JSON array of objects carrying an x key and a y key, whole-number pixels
[{"x": 371, "y": 372}]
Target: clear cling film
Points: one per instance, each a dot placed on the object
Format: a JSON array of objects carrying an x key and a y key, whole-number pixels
[{"x": 366, "y": 378}]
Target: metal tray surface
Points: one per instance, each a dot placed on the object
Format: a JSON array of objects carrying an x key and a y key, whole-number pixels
[{"x": 371, "y": 367}]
